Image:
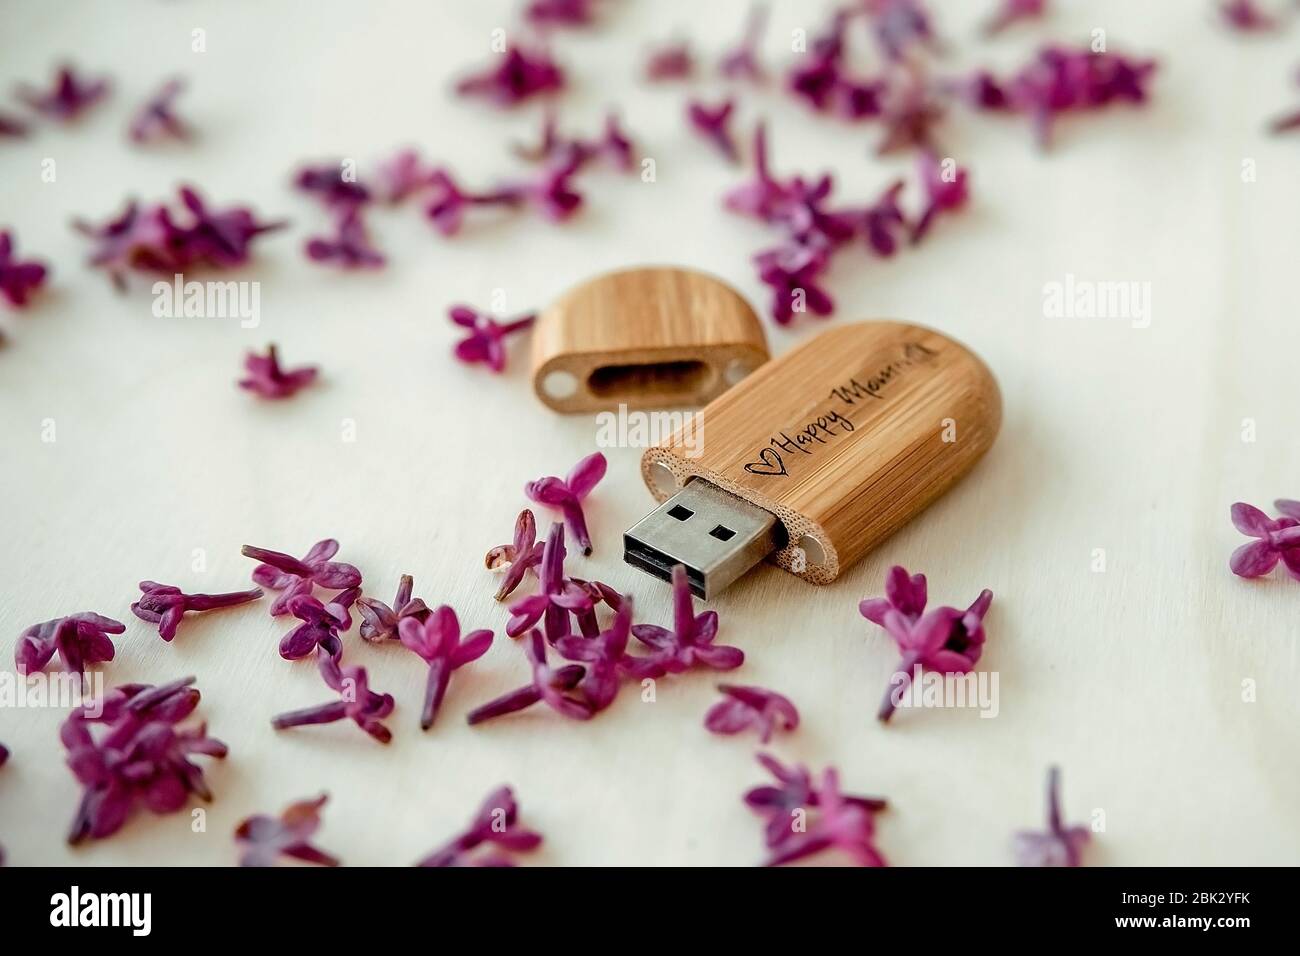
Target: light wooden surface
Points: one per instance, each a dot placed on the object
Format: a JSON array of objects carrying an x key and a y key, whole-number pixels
[
  {"x": 654, "y": 337},
  {"x": 845, "y": 439},
  {"x": 1116, "y": 439}
]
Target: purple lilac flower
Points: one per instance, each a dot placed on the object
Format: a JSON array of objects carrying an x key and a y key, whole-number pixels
[
  {"x": 267, "y": 379},
  {"x": 294, "y": 576},
  {"x": 18, "y": 279},
  {"x": 357, "y": 702},
  {"x": 883, "y": 220},
  {"x": 600, "y": 593},
  {"x": 943, "y": 639},
  {"x": 672, "y": 61},
  {"x": 741, "y": 61},
  {"x": 560, "y": 13},
  {"x": 157, "y": 118},
  {"x": 1277, "y": 539},
  {"x": 764, "y": 195},
  {"x": 816, "y": 78},
  {"x": 263, "y": 839},
  {"x": 790, "y": 800},
  {"x": 900, "y": 26},
  {"x": 909, "y": 110},
  {"x": 450, "y": 203},
  {"x": 690, "y": 640},
  {"x": 553, "y": 686},
  {"x": 220, "y": 239},
  {"x": 744, "y": 707},
  {"x": 517, "y": 558},
  {"x": 402, "y": 176},
  {"x": 437, "y": 641},
  {"x": 329, "y": 183},
  {"x": 12, "y": 126},
  {"x": 711, "y": 123},
  {"x": 841, "y": 823},
  {"x": 79, "y": 640},
  {"x": 1011, "y": 12},
  {"x": 321, "y": 624},
  {"x": 1245, "y": 16},
  {"x": 496, "y": 826},
  {"x": 605, "y": 656},
  {"x": 553, "y": 146},
  {"x": 165, "y": 605},
  {"x": 380, "y": 621},
  {"x": 521, "y": 75},
  {"x": 1059, "y": 845},
  {"x": 70, "y": 96},
  {"x": 486, "y": 340},
  {"x": 791, "y": 271},
  {"x": 140, "y": 758},
  {"x": 567, "y": 493},
  {"x": 946, "y": 190},
  {"x": 349, "y": 247},
  {"x": 556, "y": 598},
  {"x": 551, "y": 192}
]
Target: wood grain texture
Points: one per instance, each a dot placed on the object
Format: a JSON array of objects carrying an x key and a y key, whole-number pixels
[
  {"x": 645, "y": 338},
  {"x": 845, "y": 439}
]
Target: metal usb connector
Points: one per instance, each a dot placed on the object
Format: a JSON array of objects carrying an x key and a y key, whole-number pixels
[{"x": 714, "y": 534}]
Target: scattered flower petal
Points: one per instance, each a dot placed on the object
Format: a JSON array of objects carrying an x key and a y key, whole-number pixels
[
  {"x": 552, "y": 685},
  {"x": 79, "y": 640},
  {"x": 741, "y": 61},
  {"x": 751, "y": 707},
  {"x": 357, "y": 702},
  {"x": 402, "y": 176},
  {"x": 690, "y": 640},
  {"x": 521, "y": 75},
  {"x": 567, "y": 494},
  {"x": 605, "y": 656},
  {"x": 263, "y": 839},
  {"x": 672, "y": 61},
  {"x": 18, "y": 279},
  {"x": 70, "y": 96},
  {"x": 334, "y": 184},
  {"x": 1245, "y": 16},
  {"x": 496, "y": 825},
  {"x": 268, "y": 380},
  {"x": 321, "y": 624},
  {"x": 1011, "y": 12},
  {"x": 1277, "y": 539},
  {"x": 486, "y": 340},
  {"x": 294, "y": 576},
  {"x": 437, "y": 641},
  {"x": 165, "y": 605},
  {"x": 380, "y": 621},
  {"x": 557, "y": 597},
  {"x": 157, "y": 119},
  {"x": 711, "y": 123},
  {"x": 517, "y": 558},
  {"x": 1059, "y": 845},
  {"x": 946, "y": 191},
  {"x": 349, "y": 247}
]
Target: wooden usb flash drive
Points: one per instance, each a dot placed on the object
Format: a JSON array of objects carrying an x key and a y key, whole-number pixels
[
  {"x": 817, "y": 457},
  {"x": 644, "y": 338}
]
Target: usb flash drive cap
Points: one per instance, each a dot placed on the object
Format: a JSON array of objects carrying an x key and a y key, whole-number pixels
[{"x": 714, "y": 534}]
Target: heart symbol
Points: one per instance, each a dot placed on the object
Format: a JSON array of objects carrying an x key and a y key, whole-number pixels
[{"x": 769, "y": 463}]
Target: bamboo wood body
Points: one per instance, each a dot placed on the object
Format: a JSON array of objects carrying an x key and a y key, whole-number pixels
[
  {"x": 644, "y": 338},
  {"x": 845, "y": 439}
]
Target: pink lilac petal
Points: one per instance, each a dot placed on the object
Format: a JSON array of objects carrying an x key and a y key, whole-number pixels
[
  {"x": 690, "y": 641},
  {"x": 516, "y": 559},
  {"x": 711, "y": 122},
  {"x": 349, "y": 247},
  {"x": 1059, "y": 845},
  {"x": 263, "y": 839},
  {"x": 19, "y": 279},
  {"x": 604, "y": 656},
  {"x": 751, "y": 707},
  {"x": 437, "y": 641},
  {"x": 553, "y": 686},
  {"x": 165, "y": 605},
  {"x": 741, "y": 61},
  {"x": 157, "y": 120},
  {"x": 70, "y": 97},
  {"x": 567, "y": 494},
  {"x": 490, "y": 838},
  {"x": 672, "y": 61},
  {"x": 380, "y": 622},
  {"x": 79, "y": 639},
  {"x": 485, "y": 341},
  {"x": 520, "y": 75},
  {"x": 267, "y": 379}
]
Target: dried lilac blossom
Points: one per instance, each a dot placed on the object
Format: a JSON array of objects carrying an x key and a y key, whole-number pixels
[
  {"x": 437, "y": 640},
  {"x": 1245, "y": 16},
  {"x": 1062, "y": 80},
  {"x": 791, "y": 272},
  {"x": 900, "y": 26},
  {"x": 18, "y": 279},
  {"x": 711, "y": 123},
  {"x": 401, "y": 176},
  {"x": 553, "y": 686},
  {"x": 614, "y": 144},
  {"x": 349, "y": 247},
  {"x": 70, "y": 96},
  {"x": 357, "y": 702},
  {"x": 946, "y": 191},
  {"x": 380, "y": 621},
  {"x": 285, "y": 573},
  {"x": 79, "y": 640},
  {"x": 744, "y": 707},
  {"x": 496, "y": 826},
  {"x": 819, "y": 78},
  {"x": 567, "y": 493},
  {"x": 841, "y": 823},
  {"x": 789, "y": 802},
  {"x": 943, "y": 639},
  {"x": 267, "y": 379},
  {"x": 690, "y": 640},
  {"x": 556, "y": 598},
  {"x": 551, "y": 192},
  {"x": 672, "y": 61},
  {"x": 600, "y": 593},
  {"x": 333, "y": 184},
  {"x": 1059, "y": 845},
  {"x": 560, "y": 13},
  {"x": 159, "y": 239},
  {"x": 321, "y": 624},
  {"x": 517, "y": 558},
  {"x": 604, "y": 655},
  {"x": 1011, "y": 12},
  {"x": 263, "y": 839},
  {"x": 882, "y": 221},
  {"x": 521, "y": 75},
  {"x": 165, "y": 605},
  {"x": 741, "y": 61},
  {"x": 486, "y": 340},
  {"x": 157, "y": 118},
  {"x": 1278, "y": 539},
  {"x": 450, "y": 202},
  {"x": 140, "y": 758}
]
